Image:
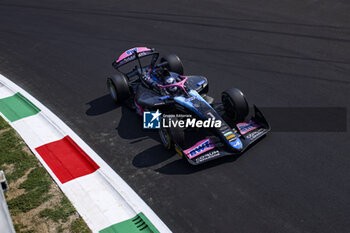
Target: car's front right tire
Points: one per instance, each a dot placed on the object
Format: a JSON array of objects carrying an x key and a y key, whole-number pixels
[
  {"x": 235, "y": 104},
  {"x": 174, "y": 63}
]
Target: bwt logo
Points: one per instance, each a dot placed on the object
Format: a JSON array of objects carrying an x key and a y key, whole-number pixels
[
  {"x": 200, "y": 148},
  {"x": 131, "y": 51},
  {"x": 151, "y": 120}
]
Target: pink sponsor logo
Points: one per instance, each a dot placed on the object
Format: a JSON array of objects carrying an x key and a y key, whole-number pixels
[
  {"x": 247, "y": 127},
  {"x": 199, "y": 148},
  {"x": 129, "y": 52}
]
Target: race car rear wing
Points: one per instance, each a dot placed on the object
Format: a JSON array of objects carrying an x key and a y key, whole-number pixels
[{"x": 134, "y": 54}]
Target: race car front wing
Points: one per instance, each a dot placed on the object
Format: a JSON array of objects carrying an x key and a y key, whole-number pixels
[{"x": 213, "y": 147}]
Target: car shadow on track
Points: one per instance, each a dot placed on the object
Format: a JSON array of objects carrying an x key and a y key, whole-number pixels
[
  {"x": 130, "y": 128},
  {"x": 152, "y": 157},
  {"x": 155, "y": 157},
  {"x": 182, "y": 167},
  {"x": 101, "y": 105},
  {"x": 176, "y": 165}
]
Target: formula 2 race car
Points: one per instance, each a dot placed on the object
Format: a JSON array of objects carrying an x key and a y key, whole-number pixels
[{"x": 143, "y": 84}]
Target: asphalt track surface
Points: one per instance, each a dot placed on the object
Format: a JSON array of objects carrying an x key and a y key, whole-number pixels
[{"x": 280, "y": 53}]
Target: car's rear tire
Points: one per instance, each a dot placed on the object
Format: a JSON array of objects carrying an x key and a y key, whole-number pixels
[
  {"x": 118, "y": 87},
  {"x": 174, "y": 63},
  {"x": 235, "y": 104}
]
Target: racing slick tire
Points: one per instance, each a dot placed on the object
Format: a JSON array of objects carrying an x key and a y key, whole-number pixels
[
  {"x": 235, "y": 104},
  {"x": 171, "y": 136},
  {"x": 118, "y": 87},
  {"x": 174, "y": 63}
]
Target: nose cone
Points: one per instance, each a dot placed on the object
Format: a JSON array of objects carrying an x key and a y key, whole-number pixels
[{"x": 237, "y": 144}]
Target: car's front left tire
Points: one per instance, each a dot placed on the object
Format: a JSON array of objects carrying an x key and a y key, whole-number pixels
[
  {"x": 118, "y": 87},
  {"x": 171, "y": 136},
  {"x": 165, "y": 138}
]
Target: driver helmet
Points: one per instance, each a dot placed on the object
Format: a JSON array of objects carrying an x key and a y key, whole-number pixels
[
  {"x": 168, "y": 81},
  {"x": 162, "y": 74}
]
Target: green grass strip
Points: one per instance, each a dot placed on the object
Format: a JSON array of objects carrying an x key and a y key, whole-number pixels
[
  {"x": 37, "y": 187},
  {"x": 137, "y": 224},
  {"x": 61, "y": 212},
  {"x": 11, "y": 153},
  {"x": 17, "y": 107}
]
